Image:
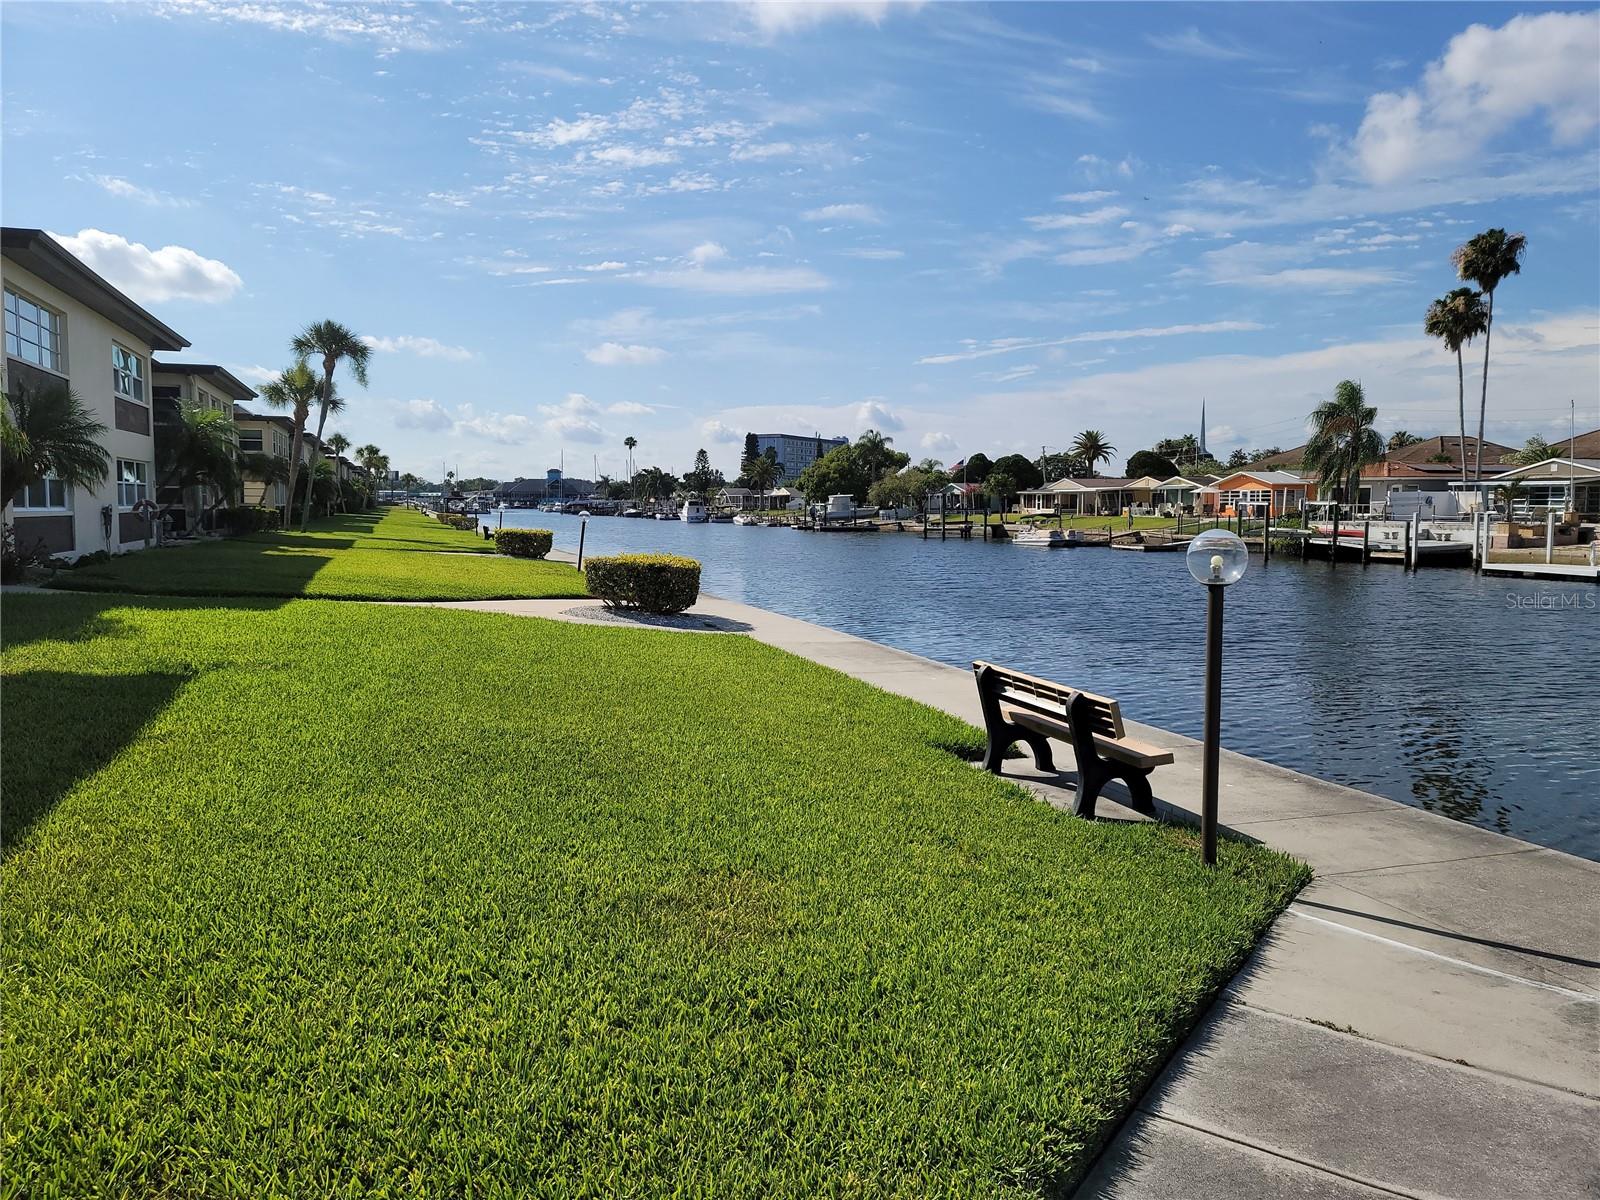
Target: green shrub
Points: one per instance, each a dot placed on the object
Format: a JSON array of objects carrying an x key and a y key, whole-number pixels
[
  {"x": 459, "y": 521},
  {"x": 255, "y": 518},
  {"x": 523, "y": 543},
  {"x": 656, "y": 583},
  {"x": 17, "y": 556}
]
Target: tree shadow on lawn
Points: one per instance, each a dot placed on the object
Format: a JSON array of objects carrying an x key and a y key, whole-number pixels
[
  {"x": 60, "y": 728},
  {"x": 231, "y": 568}
]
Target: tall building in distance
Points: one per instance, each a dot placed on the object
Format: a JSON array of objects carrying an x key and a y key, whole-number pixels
[
  {"x": 795, "y": 452},
  {"x": 1204, "y": 453}
]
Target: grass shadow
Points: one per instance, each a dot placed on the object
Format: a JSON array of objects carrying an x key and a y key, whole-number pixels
[{"x": 62, "y": 727}]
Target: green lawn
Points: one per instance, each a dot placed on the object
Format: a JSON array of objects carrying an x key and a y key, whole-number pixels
[
  {"x": 314, "y": 899},
  {"x": 400, "y": 555}
]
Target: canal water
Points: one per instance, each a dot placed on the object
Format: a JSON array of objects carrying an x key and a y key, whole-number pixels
[{"x": 1466, "y": 695}]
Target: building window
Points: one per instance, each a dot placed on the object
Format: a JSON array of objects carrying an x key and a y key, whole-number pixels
[
  {"x": 35, "y": 334},
  {"x": 133, "y": 483},
  {"x": 127, "y": 374},
  {"x": 48, "y": 495},
  {"x": 250, "y": 440}
]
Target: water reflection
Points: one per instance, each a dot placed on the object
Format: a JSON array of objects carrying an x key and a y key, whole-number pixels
[{"x": 1434, "y": 689}]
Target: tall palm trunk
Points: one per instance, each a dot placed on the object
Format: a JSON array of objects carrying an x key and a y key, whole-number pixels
[
  {"x": 295, "y": 447},
  {"x": 1461, "y": 407},
  {"x": 316, "y": 451},
  {"x": 1483, "y": 402}
]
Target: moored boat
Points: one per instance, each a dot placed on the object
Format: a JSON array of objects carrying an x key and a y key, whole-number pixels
[{"x": 1049, "y": 539}]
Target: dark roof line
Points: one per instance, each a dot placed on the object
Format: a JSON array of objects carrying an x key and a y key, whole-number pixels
[{"x": 36, "y": 251}]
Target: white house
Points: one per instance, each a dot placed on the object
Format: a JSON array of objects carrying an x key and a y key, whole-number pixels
[{"x": 65, "y": 324}]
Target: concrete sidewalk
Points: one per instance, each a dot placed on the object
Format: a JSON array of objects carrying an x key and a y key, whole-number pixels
[{"x": 1423, "y": 1021}]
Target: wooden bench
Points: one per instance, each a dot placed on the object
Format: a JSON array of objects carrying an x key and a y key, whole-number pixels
[{"x": 1025, "y": 708}]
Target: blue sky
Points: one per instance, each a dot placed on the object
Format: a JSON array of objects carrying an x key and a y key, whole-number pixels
[{"x": 974, "y": 227}]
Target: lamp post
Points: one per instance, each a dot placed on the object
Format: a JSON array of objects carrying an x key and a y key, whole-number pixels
[
  {"x": 1216, "y": 558},
  {"x": 583, "y": 528}
]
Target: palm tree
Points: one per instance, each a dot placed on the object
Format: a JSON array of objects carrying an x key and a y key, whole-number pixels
[
  {"x": 47, "y": 432},
  {"x": 409, "y": 482},
  {"x": 1401, "y": 438},
  {"x": 294, "y": 389},
  {"x": 762, "y": 472},
  {"x": 1486, "y": 260},
  {"x": 1343, "y": 440},
  {"x": 1455, "y": 319},
  {"x": 329, "y": 341},
  {"x": 338, "y": 442},
  {"x": 265, "y": 469},
  {"x": 1091, "y": 446},
  {"x": 199, "y": 449}
]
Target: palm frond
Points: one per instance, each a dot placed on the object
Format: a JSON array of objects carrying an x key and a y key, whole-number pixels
[{"x": 49, "y": 431}]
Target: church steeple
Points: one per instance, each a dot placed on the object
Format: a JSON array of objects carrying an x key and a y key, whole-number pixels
[{"x": 1204, "y": 453}]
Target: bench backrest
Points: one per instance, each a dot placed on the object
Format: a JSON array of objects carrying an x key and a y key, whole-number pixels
[{"x": 1049, "y": 699}]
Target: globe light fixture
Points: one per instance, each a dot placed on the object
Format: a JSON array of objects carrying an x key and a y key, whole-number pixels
[{"x": 1217, "y": 559}]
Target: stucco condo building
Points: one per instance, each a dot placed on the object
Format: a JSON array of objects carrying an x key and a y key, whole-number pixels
[
  {"x": 66, "y": 325},
  {"x": 795, "y": 452}
]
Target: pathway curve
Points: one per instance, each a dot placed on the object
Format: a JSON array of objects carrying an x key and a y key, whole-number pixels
[{"x": 1424, "y": 1021}]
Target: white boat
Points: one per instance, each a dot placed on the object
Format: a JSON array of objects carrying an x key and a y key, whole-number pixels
[
  {"x": 721, "y": 518},
  {"x": 668, "y": 515},
  {"x": 746, "y": 519},
  {"x": 694, "y": 511},
  {"x": 1050, "y": 539}
]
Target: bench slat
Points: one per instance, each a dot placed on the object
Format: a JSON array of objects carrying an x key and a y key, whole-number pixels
[{"x": 1135, "y": 753}]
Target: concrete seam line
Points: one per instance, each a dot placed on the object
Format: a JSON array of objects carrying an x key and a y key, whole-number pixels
[
  {"x": 1432, "y": 862},
  {"x": 1586, "y": 997},
  {"x": 1279, "y": 1154}
]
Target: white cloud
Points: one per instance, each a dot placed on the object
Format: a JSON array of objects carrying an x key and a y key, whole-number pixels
[
  {"x": 1487, "y": 81},
  {"x": 761, "y": 151},
  {"x": 496, "y": 426},
  {"x": 573, "y": 419},
  {"x": 740, "y": 281},
  {"x": 629, "y": 408},
  {"x": 850, "y": 214},
  {"x": 773, "y": 17},
  {"x": 707, "y": 252},
  {"x": 391, "y": 29},
  {"x": 615, "y": 354},
  {"x": 717, "y": 431},
  {"x": 1084, "y": 197},
  {"x": 1329, "y": 279},
  {"x": 128, "y": 190},
  {"x": 630, "y": 156},
  {"x": 253, "y": 374},
  {"x": 1097, "y": 216},
  {"x": 1012, "y": 345},
  {"x": 424, "y": 347},
  {"x": 567, "y": 133},
  {"x": 874, "y": 414},
  {"x": 875, "y": 253},
  {"x": 938, "y": 442},
  {"x": 151, "y": 276},
  {"x": 429, "y": 415},
  {"x": 608, "y": 265},
  {"x": 1195, "y": 44}
]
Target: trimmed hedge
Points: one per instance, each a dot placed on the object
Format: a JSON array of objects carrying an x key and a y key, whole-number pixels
[
  {"x": 523, "y": 543},
  {"x": 459, "y": 521},
  {"x": 655, "y": 583}
]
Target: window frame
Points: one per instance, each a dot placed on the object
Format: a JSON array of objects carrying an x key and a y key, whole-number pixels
[
  {"x": 22, "y": 506},
  {"x": 143, "y": 482},
  {"x": 140, "y": 360},
  {"x": 63, "y": 363},
  {"x": 260, "y": 437}
]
